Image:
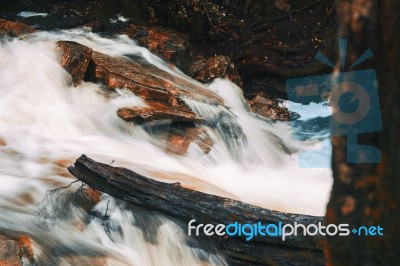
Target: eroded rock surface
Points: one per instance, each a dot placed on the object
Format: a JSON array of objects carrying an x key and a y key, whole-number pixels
[
  {"x": 175, "y": 48},
  {"x": 156, "y": 111},
  {"x": 215, "y": 67},
  {"x": 10, "y": 254},
  {"x": 14, "y": 29},
  {"x": 166, "y": 43},
  {"x": 74, "y": 58},
  {"x": 12, "y": 251},
  {"x": 146, "y": 81}
]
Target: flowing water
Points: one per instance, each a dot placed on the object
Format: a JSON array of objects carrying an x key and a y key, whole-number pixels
[{"x": 45, "y": 124}]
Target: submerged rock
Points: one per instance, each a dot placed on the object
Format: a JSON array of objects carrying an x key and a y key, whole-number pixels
[
  {"x": 179, "y": 140},
  {"x": 14, "y": 29},
  {"x": 13, "y": 251},
  {"x": 74, "y": 58},
  {"x": 156, "y": 111},
  {"x": 271, "y": 108}
]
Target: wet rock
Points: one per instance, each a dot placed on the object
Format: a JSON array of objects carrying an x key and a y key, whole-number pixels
[
  {"x": 179, "y": 140},
  {"x": 156, "y": 111},
  {"x": 194, "y": 65},
  {"x": 215, "y": 67},
  {"x": 175, "y": 48},
  {"x": 269, "y": 41},
  {"x": 10, "y": 254},
  {"x": 166, "y": 43},
  {"x": 12, "y": 251},
  {"x": 74, "y": 58},
  {"x": 25, "y": 247},
  {"x": 147, "y": 82},
  {"x": 14, "y": 29},
  {"x": 271, "y": 108},
  {"x": 164, "y": 93}
]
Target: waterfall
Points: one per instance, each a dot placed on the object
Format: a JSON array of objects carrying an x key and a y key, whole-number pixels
[{"x": 46, "y": 124}]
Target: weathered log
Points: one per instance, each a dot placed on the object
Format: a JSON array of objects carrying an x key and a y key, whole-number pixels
[{"x": 184, "y": 204}]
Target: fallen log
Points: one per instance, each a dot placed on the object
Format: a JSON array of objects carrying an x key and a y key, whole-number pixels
[{"x": 184, "y": 204}]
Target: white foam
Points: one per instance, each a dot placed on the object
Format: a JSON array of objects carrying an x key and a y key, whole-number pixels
[{"x": 26, "y": 14}]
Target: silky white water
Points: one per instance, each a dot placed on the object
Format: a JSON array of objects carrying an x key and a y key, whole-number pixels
[{"x": 45, "y": 124}]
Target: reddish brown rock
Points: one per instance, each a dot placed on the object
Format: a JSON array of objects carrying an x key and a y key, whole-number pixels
[
  {"x": 13, "y": 250},
  {"x": 156, "y": 111},
  {"x": 10, "y": 254},
  {"x": 175, "y": 47},
  {"x": 178, "y": 140},
  {"x": 74, "y": 58},
  {"x": 270, "y": 108},
  {"x": 194, "y": 66},
  {"x": 14, "y": 29},
  {"x": 215, "y": 67},
  {"x": 146, "y": 81},
  {"x": 25, "y": 246},
  {"x": 166, "y": 43}
]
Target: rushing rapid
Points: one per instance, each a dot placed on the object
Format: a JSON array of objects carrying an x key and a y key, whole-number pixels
[{"x": 45, "y": 124}]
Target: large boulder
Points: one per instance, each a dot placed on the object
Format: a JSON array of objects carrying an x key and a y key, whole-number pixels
[
  {"x": 74, "y": 58},
  {"x": 14, "y": 29},
  {"x": 147, "y": 81}
]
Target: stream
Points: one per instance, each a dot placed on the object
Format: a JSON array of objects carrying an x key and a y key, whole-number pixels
[{"x": 45, "y": 124}]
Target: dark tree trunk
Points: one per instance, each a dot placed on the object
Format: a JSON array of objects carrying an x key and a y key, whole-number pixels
[
  {"x": 369, "y": 194},
  {"x": 185, "y": 204}
]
